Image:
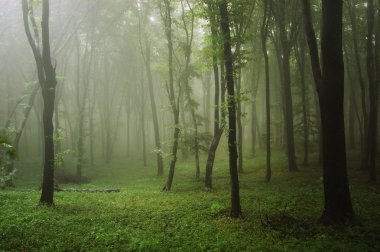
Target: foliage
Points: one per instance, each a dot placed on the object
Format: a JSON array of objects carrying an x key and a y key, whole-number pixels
[
  {"x": 281, "y": 216},
  {"x": 7, "y": 153}
]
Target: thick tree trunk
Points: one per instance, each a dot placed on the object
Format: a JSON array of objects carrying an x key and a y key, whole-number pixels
[
  {"x": 337, "y": 207},
  {"x": 233, "y": 155},
  {"x": 337, "y": 204}
]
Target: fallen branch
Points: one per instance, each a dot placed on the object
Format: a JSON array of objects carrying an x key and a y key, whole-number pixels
[{"x": 110, "y": 190}]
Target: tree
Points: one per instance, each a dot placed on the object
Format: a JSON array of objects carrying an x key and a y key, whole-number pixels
[
  {"x": 231, "y": 102},
  {"x": 187, "y": 71},
  {"x": 219, "y": 95},
  {"x": 287, "y": 38},
  {"x": 300, "y": 58},
  {"x": 330, "y": 86},
  {"x": 166, "y": 10},
  {"x": 373, "y": 74},
  {"x": 147, "y": 61},
  {"x": 48, "y": 82},
  {"x": 264, "y": 37},
  {"x": 352, "y": 6},
  {"x": 7, "y": 154},
  {"x": 9, "y": 168}
]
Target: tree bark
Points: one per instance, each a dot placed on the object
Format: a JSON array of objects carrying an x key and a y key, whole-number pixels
[
  {"x": 337, "y": 207},
  {"x": 218, "y": 130},
  {"x": 264, "y": 36},
  {"x": 10, "y": 167},
  {"x": 233, "y": 155},
  {"x": 48, "y": 82},
  {"x": 330, "y": 86},
  {"x": 300, "y": 58},
  {"x": 173, "y": 103},
  {"x": 160, "y": 162},
  {"x": 373, "y": 74},
  {"x": 352, "y": 16},
  {"x": 286, "y": 45}
]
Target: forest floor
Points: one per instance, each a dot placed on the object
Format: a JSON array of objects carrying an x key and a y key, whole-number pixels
[{"x": 279, "y": 216}]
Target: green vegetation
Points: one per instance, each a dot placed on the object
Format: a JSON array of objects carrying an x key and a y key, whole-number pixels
[{"x": 279, "y": 216}]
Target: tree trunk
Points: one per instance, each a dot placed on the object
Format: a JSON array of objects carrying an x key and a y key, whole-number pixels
[
  {"x": 352, "y": 16},
  {"x": 300, "y": 57},
  {"x": 373, "y": 74},
  {"x": 48, "y": 82},
  {"x": 264, "y": 36},
  {"x": 10, "y": 167},
  {"x": 337, "y": 207},
  {"x": 315, "y": 66},
  {"x": 142, "y": 122},
  {"x": 218, "y": 131},
  {"x": 240, "y": 132},
  {"x": 173, "y": 103},
  {"x": 160, "y": 162},
  {"x": 233, "y": 155}
]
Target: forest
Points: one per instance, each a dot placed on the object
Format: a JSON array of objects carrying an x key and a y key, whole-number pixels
[{"x": 189, "y": 125}]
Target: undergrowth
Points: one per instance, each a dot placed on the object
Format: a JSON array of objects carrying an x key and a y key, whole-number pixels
[{"x": 279, "y": 216}]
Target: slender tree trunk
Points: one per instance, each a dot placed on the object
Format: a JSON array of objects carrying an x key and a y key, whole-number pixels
[
  {"x": 218, "y": 131},
  {"x": 264, "y": 36},
  {"x": 373, "y": 74},
  {"x": 315, "y": 66},
  {"x": 160, "y": 162},
  {"x": 352, "y": 16},
  {"x": 300, "y": 55},
  {"x": 353, "y": 108},
  {"x": 48, "y": 82},
  {"x": 10, "y": 166},
  {"x": 233, "y": 155},
  {"x": 173, "y": 103},
  {"x": 253, "y": 127},
  {"x": 142, "y": 122},
  {"x": 240, "y": 132}
]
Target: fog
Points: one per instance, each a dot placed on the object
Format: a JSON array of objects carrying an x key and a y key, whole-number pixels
[{"x": 125, "y": 90}]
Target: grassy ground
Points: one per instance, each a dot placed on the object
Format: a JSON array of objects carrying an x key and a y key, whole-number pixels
[{"x": 279, "y": 216}]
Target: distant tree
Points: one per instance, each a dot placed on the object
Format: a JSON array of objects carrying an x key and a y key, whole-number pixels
[
  {"x": 373, "y": 68},
  {"x": 9, "y": 168},
  {"x": 301, "y": 64},
  {"x": 231, "y": 102},
  {"x": 7, "y": 154},
  {"x": 240, "y": 19},
  {"x": 355, "y": 32},
  {"x": 188, "y": 27},
  {"x": 48, "y": 82},
  {"x": 143, "y": 21},
  {"x": 287, "y": 37},
  {"x": 264, "y": 36}
]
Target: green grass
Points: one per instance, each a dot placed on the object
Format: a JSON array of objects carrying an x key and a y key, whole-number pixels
[{"x": 279, "y": 216}]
